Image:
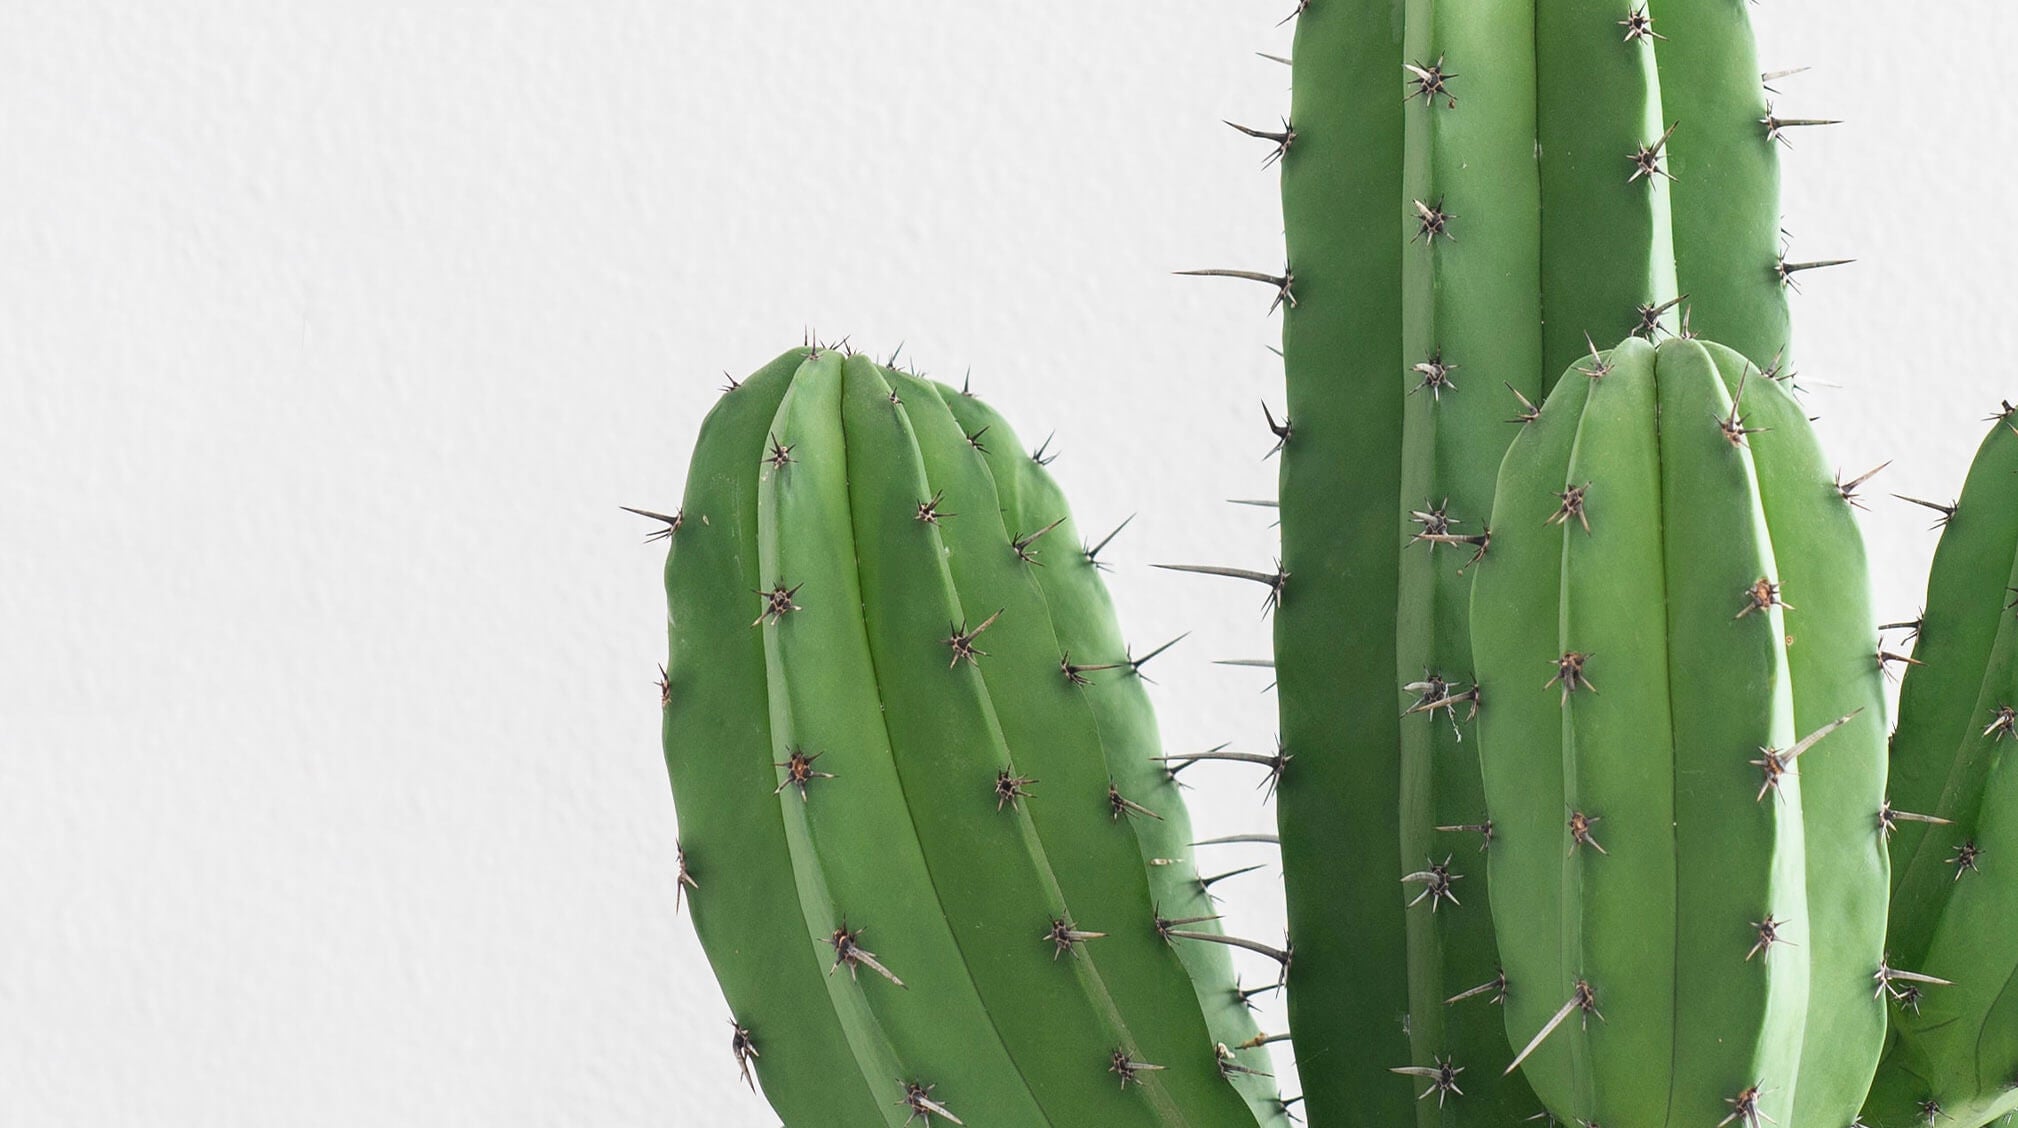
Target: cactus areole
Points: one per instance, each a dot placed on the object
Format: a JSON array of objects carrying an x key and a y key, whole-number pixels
[{"x": 1683, "y": 747}]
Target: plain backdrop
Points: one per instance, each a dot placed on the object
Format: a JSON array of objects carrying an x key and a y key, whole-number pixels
[{"x": 332, "y": 335}]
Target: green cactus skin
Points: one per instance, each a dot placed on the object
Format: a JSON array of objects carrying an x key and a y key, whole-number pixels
[
  {"x": 718, "y": 751},
  {"x": 1464, "y": 197},
  {"x": 1956, "y": 1052},
  {"x": 1642, "y": 842},
  {"x": 974, "y": 905},
  {"x": 1334, "y": 633},
  {"x": 1083, "y": 615},
  {"x": 1469, "y": 303}
]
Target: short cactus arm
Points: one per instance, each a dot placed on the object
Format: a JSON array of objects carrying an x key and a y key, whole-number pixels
[
  {"x": 1334, "y": 631},
  {"x": 735, "y": 865},
  {"x": 1050, "y": 728},
  {"x": 1473, "y": 330},
  {"x": 1083, "y": 616},
  {"x": 1820, "y": 555},
  {"x": 1726, "y": 170},
  {"x": 1607, "y": 237}
]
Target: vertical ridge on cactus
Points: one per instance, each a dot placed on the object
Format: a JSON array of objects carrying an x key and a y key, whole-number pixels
[
  {"x": 719, "y": 752},
  {"x": 1334, "y": 635},
  {"x": 1471, "y": 308},
  {"x": 1956, "y": 1021},
  {"x": 1083, "y": 616}
]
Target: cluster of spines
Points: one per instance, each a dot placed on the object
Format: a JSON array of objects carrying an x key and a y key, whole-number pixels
[{"x": 927, "y": 1024}]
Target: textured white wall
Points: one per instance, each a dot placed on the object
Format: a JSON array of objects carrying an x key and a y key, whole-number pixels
[{"x": 333, "y": 334}]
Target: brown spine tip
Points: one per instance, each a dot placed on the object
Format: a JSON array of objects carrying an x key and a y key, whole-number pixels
[
  {"x": 962, "y": 642},
  {"x": 745, "y": 1050},
  {"x": 928, "y": 510},
  {"x": 799, "y": 772},
  {"x": 1639, "y": 25},
  {"x": 848, "y": 951},
  {"x": 1064, "y": 937},
  {"x": 1745, "y": 1109},
  {"x": 1572, "y": 508},
  {"x": 1437, "y": 884},
  {"x": 1435, "y": 373},
  {"x": 1123, "y": 1065},
  {"x": 1431, "y": 83},
  {"x": 1284, "y": 283},
  {"x": 1442, "y": 1078},
  {"x": 672, "y": 523},
  {"x": 780, "y": 454},
  {"x": 1582, "y": 830},
  {"x": 682, "y": 880},
  {"x": 1432, "y": 222},
  {"x": 1023, "y": 544},
  {"x": 1119, "y": 805},
  {"x": 779, "y": 602},
  {"x": 918, "y": 1098}
]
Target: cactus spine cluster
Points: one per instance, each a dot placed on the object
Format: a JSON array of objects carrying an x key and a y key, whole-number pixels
[
  {"x": 910, "y": 759},
  {"x": 1955, "y": 1057},
  {"x": 1683, "y": 751},
  {"x": 1472, "y": 195}
]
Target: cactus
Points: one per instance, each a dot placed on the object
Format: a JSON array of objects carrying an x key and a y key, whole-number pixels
[
  {"x": 1956, "y": 1054},
  {"x": 910, "y": 775},
  {"x": 1687, "y": 864},
  {"x": 1433, "y": 258}
]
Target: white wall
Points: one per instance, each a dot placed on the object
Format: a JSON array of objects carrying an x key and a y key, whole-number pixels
[{"x": 333, "y": 334}]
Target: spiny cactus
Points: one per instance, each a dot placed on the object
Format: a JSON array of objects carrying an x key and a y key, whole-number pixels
[
  {"x": 1472, "y": 193},
  {"x": 1955, "y": 1059},
  {"x": 1683, "y": 748},
  {"x": 910, "y": 772}
]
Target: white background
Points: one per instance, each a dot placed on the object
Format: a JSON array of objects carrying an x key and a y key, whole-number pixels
[{"x": 332, "y": 336}]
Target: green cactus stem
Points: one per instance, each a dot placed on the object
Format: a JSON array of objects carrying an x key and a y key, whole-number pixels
[
  {"x": 1472, "y": 194},
  {"x": 1683, "y": 750},
  {"x": 1952, "y": 961}
]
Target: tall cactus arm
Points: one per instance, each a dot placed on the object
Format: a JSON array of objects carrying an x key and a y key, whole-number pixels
[
  {"x": 734, "y": 853},
  {"x": 1051, "y": 732},
  {"x": 1334, "y": 629}
]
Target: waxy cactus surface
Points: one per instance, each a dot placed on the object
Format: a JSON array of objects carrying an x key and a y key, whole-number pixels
[
  {"x": 1683, "y": 747},
  {"x": 1954, "y": 840},
  {"x": 917, "y": 779}
]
